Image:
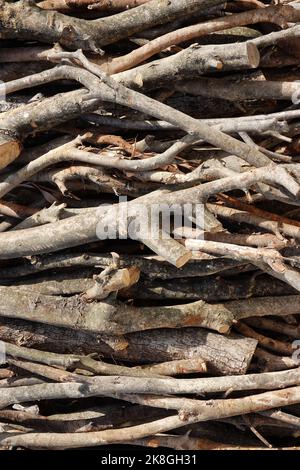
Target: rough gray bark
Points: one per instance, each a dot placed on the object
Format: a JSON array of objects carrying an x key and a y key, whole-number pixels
[
  {"x": 95, "y": 310},
  {"x": 260, "y": 402},
  {"x": 151, "y": 266},
  {"x": 24, "y": 20},
  {"x": 191, "y": 63},
  {"x": 115, "y": 318},
  {"x": 223, "y": 355}
]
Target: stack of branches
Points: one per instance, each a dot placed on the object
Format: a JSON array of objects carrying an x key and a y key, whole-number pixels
[{"x": 116, "y": 327}]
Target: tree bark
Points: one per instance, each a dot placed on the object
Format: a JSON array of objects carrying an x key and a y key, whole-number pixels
[
  {"x": 24, "y": 20},
  {"x": 223, "y": 355}
]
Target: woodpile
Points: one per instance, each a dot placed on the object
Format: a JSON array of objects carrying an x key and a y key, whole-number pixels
[{"x": 150, "y": 224}]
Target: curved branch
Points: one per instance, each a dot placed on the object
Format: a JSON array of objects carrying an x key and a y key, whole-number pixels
[
  {"x": 24, "y": 20},
  {"x": 279, "y": 14}
]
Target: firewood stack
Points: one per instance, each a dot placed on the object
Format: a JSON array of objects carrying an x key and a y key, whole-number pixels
[{"x": 150, "y": 219}]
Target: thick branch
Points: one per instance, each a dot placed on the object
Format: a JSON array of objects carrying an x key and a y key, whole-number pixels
[
  {"x": 23, "y": 20},
  {"x": 279, "y": 14},
  {"x": 118, "y": 319},
  {"x": 223, "y": 355}
]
